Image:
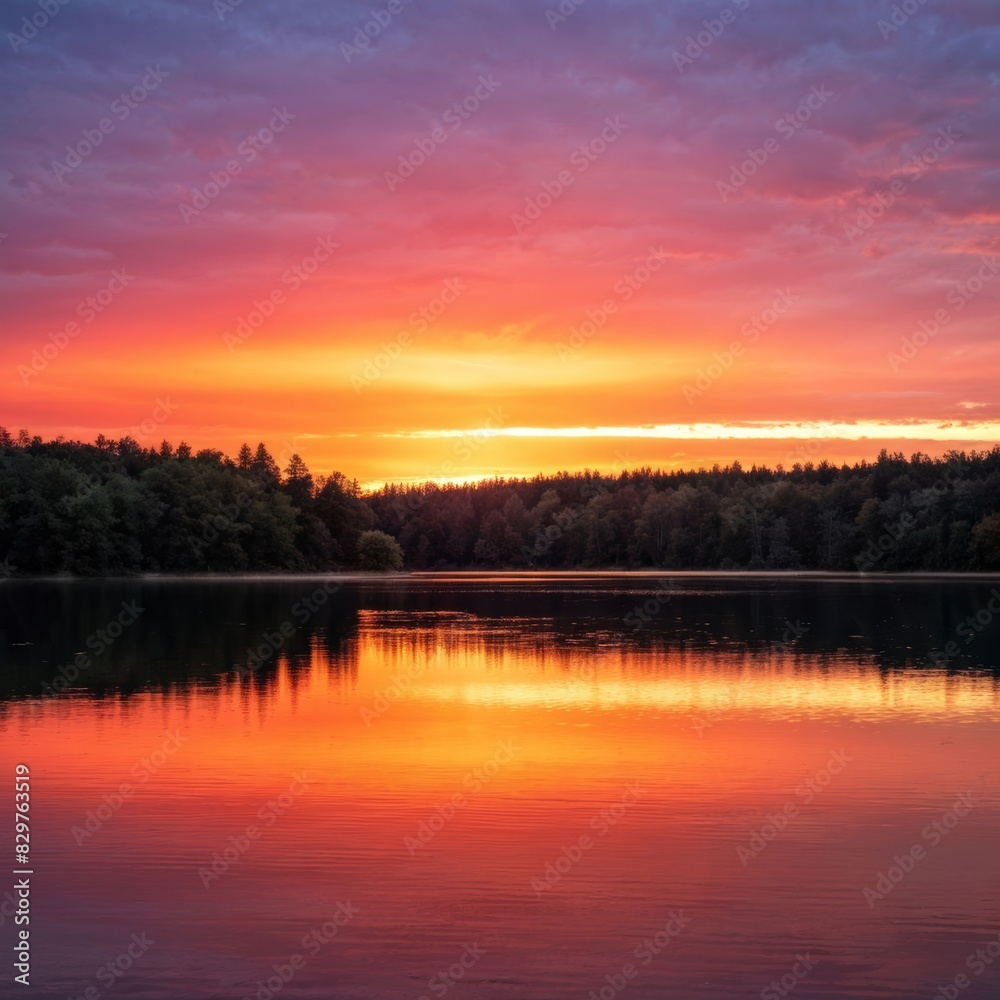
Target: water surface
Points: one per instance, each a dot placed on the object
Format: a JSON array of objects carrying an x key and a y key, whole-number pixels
[{"x": 522, "y": 779}]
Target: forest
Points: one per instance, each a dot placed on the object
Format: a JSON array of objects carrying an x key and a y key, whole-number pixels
[{"x": 114, "y": 507}]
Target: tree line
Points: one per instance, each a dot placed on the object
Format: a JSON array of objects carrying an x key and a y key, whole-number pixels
[
  {"x": 893, "y": 514},
  {"x": 114, "y": 507}
]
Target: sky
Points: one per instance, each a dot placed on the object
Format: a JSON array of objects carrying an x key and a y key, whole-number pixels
[{"x": 437, "y": 240}]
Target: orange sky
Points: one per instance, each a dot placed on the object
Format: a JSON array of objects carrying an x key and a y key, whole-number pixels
[{"x": 583, "y": 248}]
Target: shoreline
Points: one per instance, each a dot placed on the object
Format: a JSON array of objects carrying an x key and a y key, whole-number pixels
[{"x": 499, "y": 575}]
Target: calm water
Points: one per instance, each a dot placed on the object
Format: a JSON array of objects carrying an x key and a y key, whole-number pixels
[{"x": 521, "y": 780}]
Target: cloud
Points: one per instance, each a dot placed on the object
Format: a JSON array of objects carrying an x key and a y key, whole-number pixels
[{"x": 227, "y": 72}]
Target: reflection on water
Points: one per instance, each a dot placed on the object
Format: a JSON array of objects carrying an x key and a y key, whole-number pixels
[{"x": 507, "y": 779}]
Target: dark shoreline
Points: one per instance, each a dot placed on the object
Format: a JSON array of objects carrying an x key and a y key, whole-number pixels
[{"x": 350, "y": 576}]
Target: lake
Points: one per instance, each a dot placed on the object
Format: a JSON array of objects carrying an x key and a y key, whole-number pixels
[{"x": 507, "y": 786}]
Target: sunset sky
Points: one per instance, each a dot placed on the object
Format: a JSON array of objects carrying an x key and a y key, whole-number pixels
[{"x": 448, "y": 240}]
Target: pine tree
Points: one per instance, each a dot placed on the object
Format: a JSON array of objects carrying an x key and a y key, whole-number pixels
[
  {"x": 265, "y": 468},
  {"x": 299, "y": 482}
]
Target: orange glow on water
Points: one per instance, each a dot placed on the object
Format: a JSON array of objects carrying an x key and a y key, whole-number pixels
[{"x": 443, "y": 769}]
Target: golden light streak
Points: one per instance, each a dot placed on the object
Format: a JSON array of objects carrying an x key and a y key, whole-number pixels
[{"x": 916, "y": 430}]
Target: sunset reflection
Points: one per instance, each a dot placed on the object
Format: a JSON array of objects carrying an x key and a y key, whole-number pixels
[{"x": 432, "y": 766}]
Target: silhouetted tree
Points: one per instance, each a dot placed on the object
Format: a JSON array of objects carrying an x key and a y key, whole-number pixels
[
  {"x": 985, "y": 544},
  {"x": 264, "y": 468},
  {"x": 299, "y": 483},
  {"x": 117, "y": 507},
  {"x": 378, "y": 551}
]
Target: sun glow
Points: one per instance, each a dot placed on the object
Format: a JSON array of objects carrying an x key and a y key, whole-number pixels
[{"x": 911, "y": 430}]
